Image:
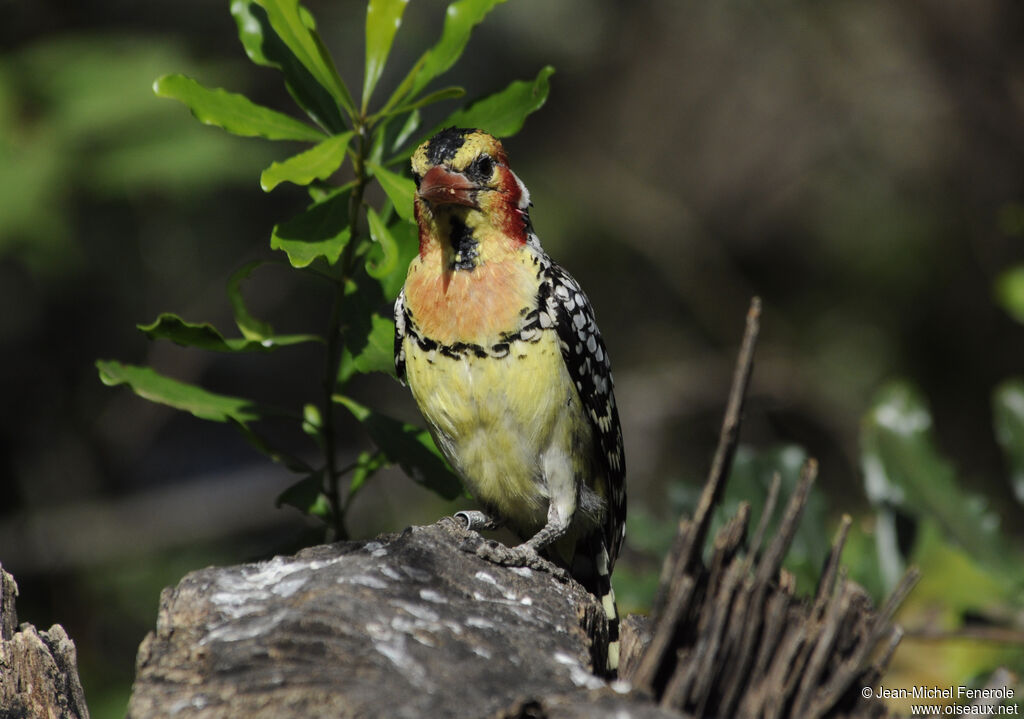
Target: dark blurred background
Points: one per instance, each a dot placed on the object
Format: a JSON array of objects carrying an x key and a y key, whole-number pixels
[{"x": 859, "y": 165}]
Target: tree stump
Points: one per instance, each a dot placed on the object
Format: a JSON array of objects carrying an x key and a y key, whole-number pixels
[
  {"x": 38, "y": 670},
  {"x": 407, "y": 625}
]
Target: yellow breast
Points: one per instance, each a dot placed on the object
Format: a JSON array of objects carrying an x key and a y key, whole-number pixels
[{"x": 497, "y": 418}]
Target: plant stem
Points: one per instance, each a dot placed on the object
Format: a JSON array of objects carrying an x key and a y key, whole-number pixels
[
  {"x": 355, "y": 202},
  {"x": 327, "y": 426},
  {"x": 332, "y": 474}
]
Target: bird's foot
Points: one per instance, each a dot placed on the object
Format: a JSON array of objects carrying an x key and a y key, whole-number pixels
[{"x": 523, "y": 555}]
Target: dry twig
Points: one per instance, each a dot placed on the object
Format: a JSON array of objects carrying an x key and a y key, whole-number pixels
[{"x": 730, "y": 638}]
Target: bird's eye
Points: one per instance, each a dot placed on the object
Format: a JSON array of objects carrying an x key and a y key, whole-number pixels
[{"x": 482, "y": 168}]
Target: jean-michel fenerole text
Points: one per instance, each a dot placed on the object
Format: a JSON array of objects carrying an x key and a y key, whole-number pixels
[{"x": 959, "y": 692}]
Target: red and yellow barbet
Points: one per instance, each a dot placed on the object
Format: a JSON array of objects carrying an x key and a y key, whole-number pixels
[{"x": 501, "y": 350}]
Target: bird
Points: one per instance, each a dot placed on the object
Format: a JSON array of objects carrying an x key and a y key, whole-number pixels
[{"x": 501, "y": 350}]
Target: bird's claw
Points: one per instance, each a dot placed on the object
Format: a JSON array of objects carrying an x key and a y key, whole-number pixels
[{"x": 523, "y": 555}]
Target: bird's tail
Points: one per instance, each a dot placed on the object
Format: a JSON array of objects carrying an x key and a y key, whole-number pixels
[{"x": 591, "y": 567}]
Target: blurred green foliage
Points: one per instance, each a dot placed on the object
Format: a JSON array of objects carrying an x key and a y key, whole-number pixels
[
  {"x": 1008, "y": 410},
  {"x": 1009, "y": 291},
  {"x": 972, "y": 569},
  {"x": 749, "y": 482},
  {"x": 905, "y": 476},
  {"x": 75, "y": 115}
]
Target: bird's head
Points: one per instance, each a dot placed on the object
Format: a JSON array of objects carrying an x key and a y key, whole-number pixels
[{"x": 468, "y": 201}]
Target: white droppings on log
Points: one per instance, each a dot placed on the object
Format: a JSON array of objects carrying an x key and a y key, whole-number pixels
[{"x": 431, "y": 596}]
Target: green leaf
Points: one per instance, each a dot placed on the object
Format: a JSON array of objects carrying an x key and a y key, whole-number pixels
[
  {"x": 860, "y": 559},
  {"x": 1008, "y": 411},
  {"x": 312, "y": 422},
  {"x": 368, "y": 338},
  {"x": 321, "y": 508},
  {"x": 447, "y": 93},
  {"x": 1009, "y": 292},
  {"x": 287, "y": 20},
  {"x": 305, "y": 495},
  {"x": 290, "y": 461},
  {"x": 205, "y": 336},
  {"x": 147, "y": 383},
  {"x": 250, "y": 327},
  {"x": 955, "y": 581},
  {"x": 372, "y": 352},
  {"x": 253, "y": 25},
  {"x": 904, "y": 473},
  {"x": 412, "y": 124},
  {"x": 399, "y": 189},
  {"x": 459, "y": 20},
  {"x": 321, "y": 231},
  {"x": 233, "y": 112},
  {"x": 956, "y": 592},
  {"x": 410, "y": 447},
  {"x": 264, "y": 47},
  {"x": 367, "y": 465},
  {"x": 317, "y": 163},
  {"x": 407, "y": 241},
  {"x": 383, "y": 18},
  {"x": 503, "y": 113},
  {"x": 380, "y": 234}
]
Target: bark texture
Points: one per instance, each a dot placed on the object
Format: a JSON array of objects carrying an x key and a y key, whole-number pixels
[
  {"x": 38, "y": 670},
  {"x": 408, "y": 625}
]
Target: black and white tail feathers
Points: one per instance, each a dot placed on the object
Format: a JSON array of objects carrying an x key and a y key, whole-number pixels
[{"x": 591, "y": 567}]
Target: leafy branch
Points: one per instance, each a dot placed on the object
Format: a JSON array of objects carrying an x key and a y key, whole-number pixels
[{"x": 362, "y": 250}]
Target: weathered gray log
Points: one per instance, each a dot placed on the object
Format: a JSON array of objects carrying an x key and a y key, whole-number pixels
[
  {"x": 407, "y": 625},
  {"x": 38, "y": 670}
]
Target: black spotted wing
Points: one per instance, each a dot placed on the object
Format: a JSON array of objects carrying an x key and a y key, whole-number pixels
[{"x": 586, "y": 359}]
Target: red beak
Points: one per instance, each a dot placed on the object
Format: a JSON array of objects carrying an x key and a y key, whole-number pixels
[{"x": 441, "y": 187}]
